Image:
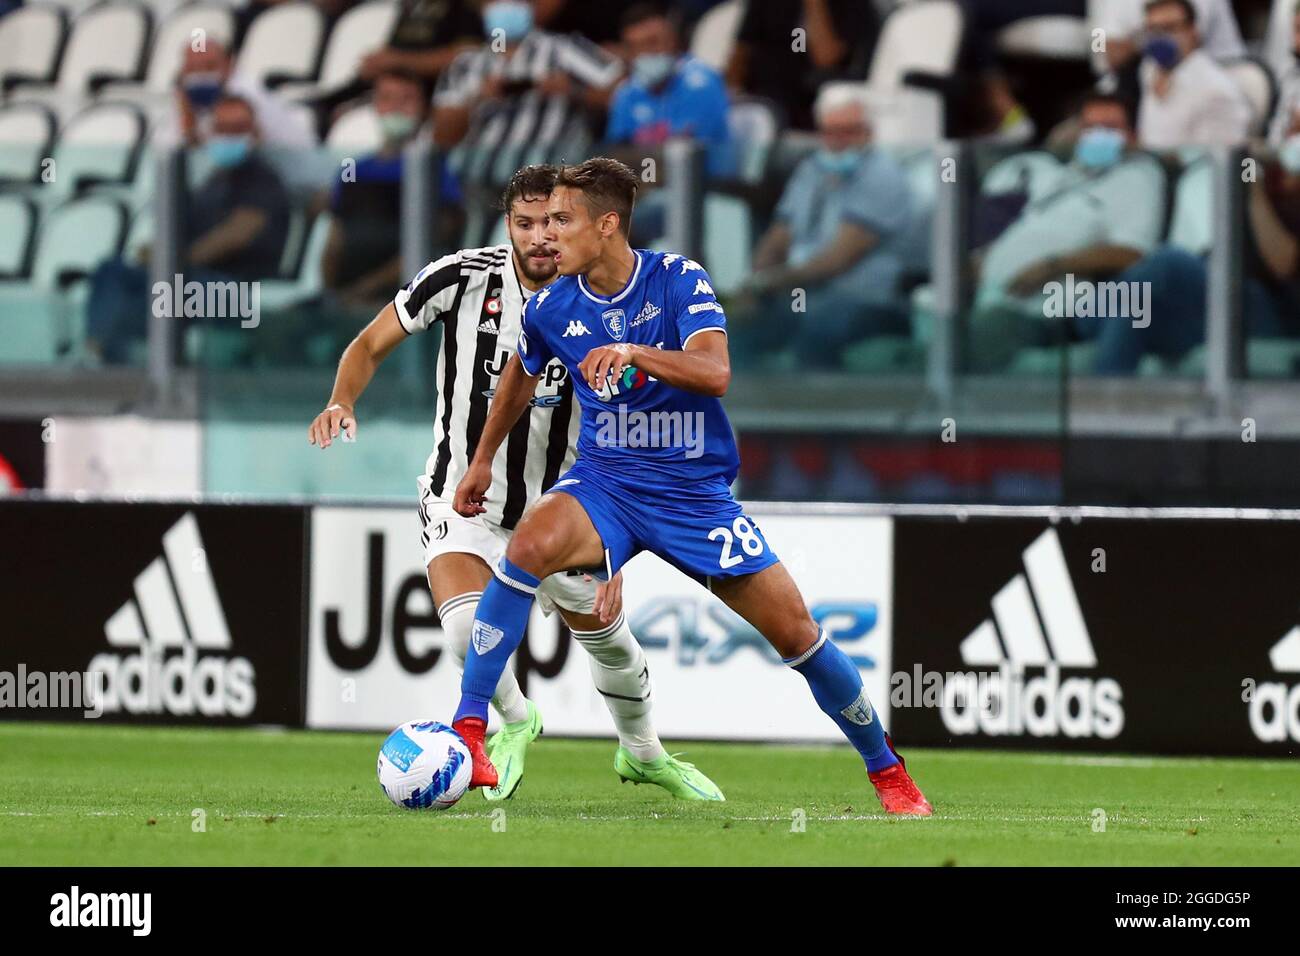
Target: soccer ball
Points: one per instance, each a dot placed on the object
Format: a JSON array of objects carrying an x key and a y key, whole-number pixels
[{"x": 424, "y": 765}]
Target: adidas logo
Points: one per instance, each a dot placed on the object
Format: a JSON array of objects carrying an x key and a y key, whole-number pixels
[
  {"x": 575, "y": 328},
  {"x": 489, "y": 325},
  {"x": 1051, "y": 637},
  {"x": 171, "y": 640},
  {"x": 1275, "y": 707}
]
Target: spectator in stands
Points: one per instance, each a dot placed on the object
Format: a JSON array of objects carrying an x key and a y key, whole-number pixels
[
  {"x": 236, "y": 223},
  {"x": 427, "y": 36},
  {"x": 521, "y": 97},
  {"x": 1187, "y": 98},
  {"x": 1101, "y": 215},
  {"x": 786, "y": 49},
  {"x": 1178, "y": 279},
  {"x": 207, "y": 74},
  {"x": 1122, "y": 23},
  {"x": 362, "y": 261},
  {"x": 1288, "y": 99},
  {"x": 827, "y": 272},
  {"x": 668, "y": 93}
]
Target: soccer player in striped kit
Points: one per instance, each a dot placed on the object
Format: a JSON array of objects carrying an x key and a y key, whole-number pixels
[{"x": 476, "y": 298}]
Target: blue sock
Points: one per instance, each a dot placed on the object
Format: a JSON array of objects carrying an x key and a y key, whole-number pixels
[
  {"x": 499, "y": 625},
  {"x": 837, "y": 687}
]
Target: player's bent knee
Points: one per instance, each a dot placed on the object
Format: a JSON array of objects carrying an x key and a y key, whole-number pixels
[{"x": 535, "y": 550}]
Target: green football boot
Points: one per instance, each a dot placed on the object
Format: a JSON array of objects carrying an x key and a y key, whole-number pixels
[
  {"x": 506, "y": 750},
  {"x": 678, "y": 777}
]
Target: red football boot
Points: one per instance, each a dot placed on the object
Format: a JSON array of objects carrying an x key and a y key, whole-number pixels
[
  {"x": 472, "y": 730},
  {"x": 897, "y": 793}
]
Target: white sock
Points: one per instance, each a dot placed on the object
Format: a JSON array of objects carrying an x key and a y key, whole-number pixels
[
  {"x": 457, "y": 616},
  {"x": 619, "y": 670}
]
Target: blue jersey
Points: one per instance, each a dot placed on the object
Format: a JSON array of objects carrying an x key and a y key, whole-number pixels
[{"x": 637, "y": 422}]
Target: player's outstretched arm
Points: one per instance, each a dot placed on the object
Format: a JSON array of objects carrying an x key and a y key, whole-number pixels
[
  {"x": 513, "y": 392},
  {"x": 356, "y": 368},
  {"x": 704, "y": 366}
]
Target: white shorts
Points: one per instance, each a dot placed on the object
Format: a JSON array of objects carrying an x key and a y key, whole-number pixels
[{"x": 446, "y": 531}]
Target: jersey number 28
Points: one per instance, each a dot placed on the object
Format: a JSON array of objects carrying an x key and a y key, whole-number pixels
[{"x": 749, "y": 540}]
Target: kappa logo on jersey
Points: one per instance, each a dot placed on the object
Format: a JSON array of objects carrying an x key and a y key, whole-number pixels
[
  {"x": 648, "y": 312},
  {"x": 702, "y": 287},
  {"x": 687, "y": 264},
  {"x": 484, "y": 637},
  {"x": 172, "y": 640},
  {"x": 575, "y": 328},
  {"x": 615, "y": 322},
  {"x": 1005, "y": 703},
  {"x": 541, "y": 296},
  {"x": 1275, "y": 706}
]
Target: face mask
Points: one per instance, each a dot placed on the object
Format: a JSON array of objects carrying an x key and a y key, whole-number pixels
[
  {"x": 226, "y": 152},
  {"x": 513, "y": 18},
  {"x": 1163, "y": 51},
  {"x": 651, "y": 69},
  {"x": 839, "y": 162},
  {"x": 1288, "y": 154},
  {"x": 1099, "y": 147},
  {"x": 202, "y": 89},
  {"x": 396, "y": 127}
]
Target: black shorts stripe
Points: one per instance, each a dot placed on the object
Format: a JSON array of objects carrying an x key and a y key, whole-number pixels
[
  {"x": 449, "y": 349},
  {"x": 557, "y": 439}
]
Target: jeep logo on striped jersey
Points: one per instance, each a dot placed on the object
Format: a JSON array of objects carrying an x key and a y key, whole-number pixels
[{"x": 1036, "y": 624}]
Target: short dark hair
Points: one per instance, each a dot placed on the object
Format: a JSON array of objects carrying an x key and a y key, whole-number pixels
[
  {"x": 529, "y": 182},
  {"x": 606, "y": 186},
  {"x": 1185, "y": 4},
  {"x": 1096, "y": 97},
  {"x": 641, "y": 12},
  {"x": 409, "y": 76}
]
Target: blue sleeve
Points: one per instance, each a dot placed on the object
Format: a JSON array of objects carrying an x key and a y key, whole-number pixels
[
  {"x": 880, "y": 199},
  {"x": 620, "y": 126},
  {"x": 695, "y": 305},
  {"x": 533, "y": 350}
]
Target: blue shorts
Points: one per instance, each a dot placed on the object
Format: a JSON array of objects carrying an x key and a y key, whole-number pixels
[{"x": 698, "y": 528}]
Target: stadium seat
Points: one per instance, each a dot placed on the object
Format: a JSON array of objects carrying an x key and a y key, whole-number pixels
[
  {"x": 1255, "y": 80},
  {"x": 356, "y": 131},
  {"x": 755, "y": 126},
  {"x": 26, "y": 131},
  {"x": 98, "y": 146},
  {"x": 715, "y": 34},
  {"x": 283, "y": 293},
  {"x": 728, "y": 240},
  {"x": 17, "y": 226},
  {"x": 1047, "y": 37},
  {"x": 168, "y": 50},
  {"x": 915, "y": 59},
  {"x": 283, "y": 44},
  {"x": 31, "y": 39},
  {"x": 362, "y": 29},
  {"x": 41, "y": 319},
  {"x": 1191, "y": 226},
  {"x": 107, "y": 43}
]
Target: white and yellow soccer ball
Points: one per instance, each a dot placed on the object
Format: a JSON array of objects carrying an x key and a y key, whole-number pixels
[{"x": 424, "y": 765}]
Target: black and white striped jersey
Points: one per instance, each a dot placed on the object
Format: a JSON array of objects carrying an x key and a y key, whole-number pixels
[
  {"x": 474, "y": 295},
  {"x": 525, "y": 125}
]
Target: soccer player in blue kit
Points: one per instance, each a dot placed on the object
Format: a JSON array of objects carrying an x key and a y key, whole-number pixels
[{"x": 644, "y": 339}]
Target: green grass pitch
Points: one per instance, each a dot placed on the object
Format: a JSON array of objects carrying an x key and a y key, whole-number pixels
[{"x": 79, "y": 794}]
